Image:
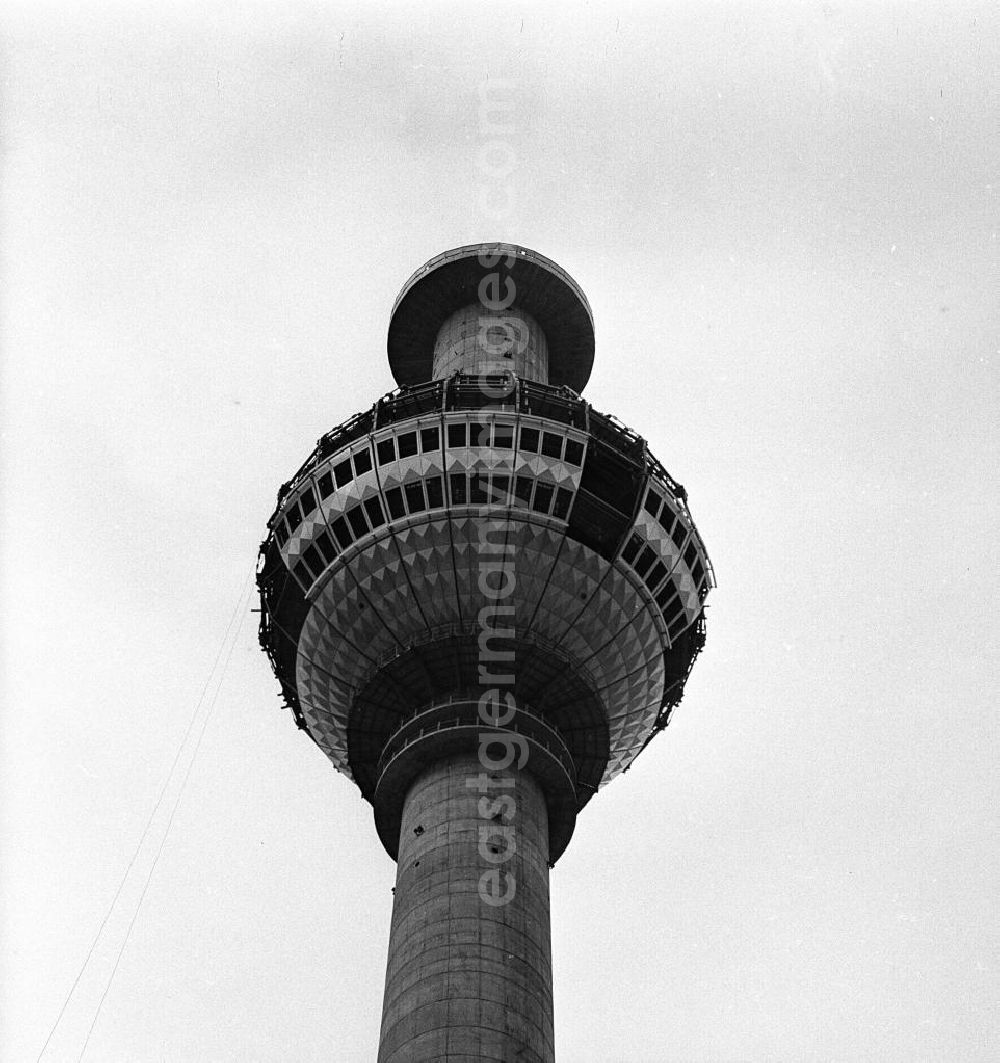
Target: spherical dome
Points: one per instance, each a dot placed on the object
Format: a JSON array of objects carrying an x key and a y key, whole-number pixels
[{"x": 388, "y": 551}]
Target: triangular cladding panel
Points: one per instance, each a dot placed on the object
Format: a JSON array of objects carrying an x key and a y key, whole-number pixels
[
  {"x": 362, "y": 624},
  {"x": 382, "y": 577},
  {"x": 536, "y": 549},
  {"x": 426, "y": 549}
]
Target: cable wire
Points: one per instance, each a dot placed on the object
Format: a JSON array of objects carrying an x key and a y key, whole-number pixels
[
  {"x": 163, "y": 841},
  {"x": 240, "y": 605}
]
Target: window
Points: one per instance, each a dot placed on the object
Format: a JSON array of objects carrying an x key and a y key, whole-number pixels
[
  {"x": 678, "y": 625},
  {"x": 672, "y": 609},
  {"x": 313, "y": 560},
  {"x": 551, "y": 445},
  {"x": 342, "y": 472},
  {"x": 281, "y": 533},
  {"x": 325, "y": 485},
  {"x": 477, "y": 489},
  {"x": 326, "y": 548},
  {"x": 563, "y": 500},
  {"x": 303, "y": 575},
  {"x": 652, "y": 503},
  {"x": 430, "y": 439},
  {"x": 307, "y": 500},
  {"x": 656, "y": 573},
  {"x": 529, "y": 439},
  {"x": 574, "y": 452},
  {"x": 690, "y": 554},
  {"x": 458, "y": 488},
  {"x": 386, "y": 451},
  {"x": 501, "y": 489},
  {"x": 543, "y": 497},
  {"x": 479, "y": 434},
  {"x": 342, "y": 533},
  {"x": 373, "y": 507},
  {"x": 667, "y": 518},
  {"x": 698, "y": 571},
  {"x": 665, "y": 594},
  {"x": 503, "y": 436},
  {"x": 363, "y": 461},
  {"x": 356, "y": 519},
  {"x": 631, "y": 549},
  {"x": 644, "y": 560},
  {"x": 407, "y": 445},
  {"x": 679, "y": 534},
  {"x": 415, "y": 497},
  {"x": 394, "y": 500},
  {"x": 456, "y": 435},
  {"x": 522, "y": 490},
  {"x": 435, "y": 492}
]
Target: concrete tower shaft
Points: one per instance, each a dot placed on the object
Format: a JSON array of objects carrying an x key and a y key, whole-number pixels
[
  {"x": 477, "y": 340},
  {"x": 469, "y": 979}
]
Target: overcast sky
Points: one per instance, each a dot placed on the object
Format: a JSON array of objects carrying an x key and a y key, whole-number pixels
[{"x": 785, "y": 219}]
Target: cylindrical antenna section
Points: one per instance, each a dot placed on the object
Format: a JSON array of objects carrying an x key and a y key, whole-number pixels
[{"x": 466, "y": 309}]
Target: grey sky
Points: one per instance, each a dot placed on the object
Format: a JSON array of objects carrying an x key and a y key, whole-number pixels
[{"x": 785, "y": 219}]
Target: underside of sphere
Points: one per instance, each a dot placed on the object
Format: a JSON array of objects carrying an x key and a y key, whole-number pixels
[{"x": 483, "y": 530}]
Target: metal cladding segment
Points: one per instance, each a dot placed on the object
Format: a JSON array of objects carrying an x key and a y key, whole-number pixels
[
  {"x": 525, "y": 281},
  {"x": 372, "y": 601}
]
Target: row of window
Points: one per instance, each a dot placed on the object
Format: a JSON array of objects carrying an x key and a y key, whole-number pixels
[
  {"x": 498, "y": 435},
  {"x": 344, "y": 471},
  {"x": 430, "y": 439},
  {"x": 647, "y": 564},
  {"x": 294, "y": 515},
  {"x": 652, "y": 571},
  {"x": 466, "y": 393},
  {"x": 660, "y": 510},
  {"x": 502, "y": 489},
  {"x": 498, "y": 489}
]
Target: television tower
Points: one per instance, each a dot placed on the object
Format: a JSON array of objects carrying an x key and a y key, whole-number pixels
[{"x": 482, "y": 599}]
